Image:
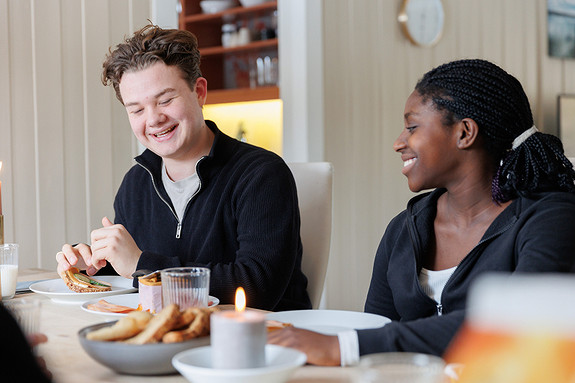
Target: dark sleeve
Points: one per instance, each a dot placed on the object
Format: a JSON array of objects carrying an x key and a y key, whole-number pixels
[{"x": 19, "y": 363}]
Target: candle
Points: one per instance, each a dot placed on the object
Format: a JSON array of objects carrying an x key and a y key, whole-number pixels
[{"x": 238, "y": 337}]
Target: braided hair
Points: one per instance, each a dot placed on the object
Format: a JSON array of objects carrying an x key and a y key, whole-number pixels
[{"x": 495, "y": 100}]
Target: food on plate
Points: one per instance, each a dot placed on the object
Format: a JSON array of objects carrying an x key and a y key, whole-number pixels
[
  {"x": 169, "y": 326},
  {"x": 125, "y": 328},
  {"x": 276, "y": 325},
  {"x": 82, "y": 283},
  {"x": 150, "y": 291},
  {"x": 104, "y": 306},
  {"x": 199, "y": 326}
]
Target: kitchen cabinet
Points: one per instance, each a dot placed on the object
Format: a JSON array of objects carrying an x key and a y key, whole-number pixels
[{"x": 246, "y": 70}]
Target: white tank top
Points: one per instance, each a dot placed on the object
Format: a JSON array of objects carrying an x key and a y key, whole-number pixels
[{"x": 433, "y": 281}]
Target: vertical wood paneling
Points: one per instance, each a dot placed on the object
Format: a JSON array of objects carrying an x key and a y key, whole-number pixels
[
  {"x": 6, "y": 123},
  {"x": 59, "y": 145},
  {"x": 76, "y": 210},
  {"x": 47, "y": 53},
  {"x": 23, "y": 161}
]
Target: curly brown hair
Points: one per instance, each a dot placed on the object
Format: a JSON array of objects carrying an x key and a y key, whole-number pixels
[{"x": 150, "y": 45}]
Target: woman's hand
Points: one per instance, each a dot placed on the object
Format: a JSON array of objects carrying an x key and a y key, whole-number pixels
[{"x": 321, "y": 350}]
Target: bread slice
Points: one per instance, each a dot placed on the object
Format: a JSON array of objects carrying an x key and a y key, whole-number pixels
[{"x": 82, "y": 283}]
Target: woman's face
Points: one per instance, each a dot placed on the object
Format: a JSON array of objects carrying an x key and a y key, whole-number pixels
[{"x": 428, "y": 148}]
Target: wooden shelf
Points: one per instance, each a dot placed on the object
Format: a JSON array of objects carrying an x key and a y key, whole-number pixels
[
  {"x": 230, "y": 13},
  {"x": 221, "y": 96},
  {"x": 254, "y": 45}
]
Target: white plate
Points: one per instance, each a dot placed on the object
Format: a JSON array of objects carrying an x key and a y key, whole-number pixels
[
  {"x": 196, "y": 366},
  {"x": 57, "y": 290},
  {"x": 329, "y": 322},
  {"x": 129, "y": 300}
]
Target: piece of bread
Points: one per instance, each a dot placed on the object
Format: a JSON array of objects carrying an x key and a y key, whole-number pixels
[
  {"x": 125, "y": 328},
  {"x": 82, "y": 283},
  {"x": 200, "y": 326},
  {"x": 160, "y": 324}
]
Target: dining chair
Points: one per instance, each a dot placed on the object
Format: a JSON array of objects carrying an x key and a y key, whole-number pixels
[{"x": 314, "y": 181}]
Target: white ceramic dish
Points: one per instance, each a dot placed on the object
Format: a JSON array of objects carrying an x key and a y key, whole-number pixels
[
  {"x": 281, "y": 362},
  {"x": 57, "y": 291},
  {"x": 129, "y": 300},
  {"x": 329, "y": 322},
  {"x": 215, "y": 6},
  {"x": 134, "y": 359}
]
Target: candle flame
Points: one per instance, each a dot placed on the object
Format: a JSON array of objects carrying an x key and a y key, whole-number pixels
[{"x": 240, "y": 299}]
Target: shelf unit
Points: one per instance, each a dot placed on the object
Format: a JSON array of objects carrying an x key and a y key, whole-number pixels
[{"x": 227, "y": 68}]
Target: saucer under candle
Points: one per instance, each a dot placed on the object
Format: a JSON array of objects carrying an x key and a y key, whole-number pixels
[{"x": 238, "y": 339}]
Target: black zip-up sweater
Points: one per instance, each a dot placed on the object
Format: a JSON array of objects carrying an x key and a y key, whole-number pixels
[
  {"x": 243, "y": 223},
  {"x": 530, "y": 235}
]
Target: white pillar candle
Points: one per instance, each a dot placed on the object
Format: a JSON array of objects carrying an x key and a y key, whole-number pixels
[{"x": 238, "y": 339}]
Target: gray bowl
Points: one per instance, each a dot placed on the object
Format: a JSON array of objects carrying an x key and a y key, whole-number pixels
[{"x": 133, "y": 359}]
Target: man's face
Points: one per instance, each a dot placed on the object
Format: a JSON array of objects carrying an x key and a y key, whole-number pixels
[{"x": 164, "y": 113}]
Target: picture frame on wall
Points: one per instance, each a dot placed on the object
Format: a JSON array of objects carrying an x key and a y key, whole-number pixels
[
  {"x": 561, "y": 28},
  {"x": 566, "y": 112}
]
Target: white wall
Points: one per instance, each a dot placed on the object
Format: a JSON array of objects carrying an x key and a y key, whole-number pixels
[
  {"x": 370, "y": 69},
  {"x": 66, "y": 143}
]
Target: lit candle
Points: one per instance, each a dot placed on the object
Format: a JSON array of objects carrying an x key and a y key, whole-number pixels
[{"x": 238, "y": 337}]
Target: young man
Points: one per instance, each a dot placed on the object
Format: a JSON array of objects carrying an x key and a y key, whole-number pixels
[{"x": 196, "y": 196}]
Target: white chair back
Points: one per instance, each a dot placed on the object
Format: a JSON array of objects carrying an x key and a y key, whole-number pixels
[{"x": 314, "y": 181}]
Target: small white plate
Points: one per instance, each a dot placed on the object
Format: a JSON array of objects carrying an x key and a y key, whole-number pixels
[
  {"x": 57, "y": 290},
  {"x": 196, "y": 366},
  {"x": 129, "y": 300},
  {"x": 329, "y": 322}
]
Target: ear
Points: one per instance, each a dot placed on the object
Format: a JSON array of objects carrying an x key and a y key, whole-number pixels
[
  {"x": 201, "y": 90},
  {"x": 468, "y": 132}
]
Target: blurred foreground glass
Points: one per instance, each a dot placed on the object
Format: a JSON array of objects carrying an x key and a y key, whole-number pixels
[
  {"x": 26, "y": 311},
  {"x": 401, "y": 367},
  {"x": 518, "y": 329},
  {"x": 185, "y": 286},
  {"x": 8, "y": 269}
]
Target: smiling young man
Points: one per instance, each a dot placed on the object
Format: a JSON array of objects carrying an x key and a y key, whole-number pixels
[{"x": 196, "y": 196}]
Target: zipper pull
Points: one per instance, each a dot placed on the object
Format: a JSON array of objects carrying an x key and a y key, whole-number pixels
[
  {"x": 178, "y": 230},
  {"x": 439, "y": 309}
]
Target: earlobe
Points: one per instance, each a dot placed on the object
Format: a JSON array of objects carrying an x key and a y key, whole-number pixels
[
  {"x": 468, "y": 132},
  {"x": 201, "y": 90}
]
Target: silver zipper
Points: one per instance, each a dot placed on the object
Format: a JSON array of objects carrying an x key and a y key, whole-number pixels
[{"x": 439, "y": 309}]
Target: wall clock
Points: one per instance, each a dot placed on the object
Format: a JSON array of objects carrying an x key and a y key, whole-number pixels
[{"x": 422, "y": 21}]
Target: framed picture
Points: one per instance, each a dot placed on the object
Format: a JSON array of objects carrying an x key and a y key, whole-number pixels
[
  {"x": 561, "y": 28},
  {"x": 566, "y": 110}
]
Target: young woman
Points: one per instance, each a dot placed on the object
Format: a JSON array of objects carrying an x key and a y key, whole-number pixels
[{"x": 501, "y": 201}]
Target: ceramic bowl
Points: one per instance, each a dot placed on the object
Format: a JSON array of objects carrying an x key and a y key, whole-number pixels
[
  {"x": 133, "y": 359},
  {"x": 281, "y": 362},
  {"x": 215, "y": 6}
]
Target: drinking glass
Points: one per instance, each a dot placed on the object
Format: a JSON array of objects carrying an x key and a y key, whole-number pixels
[
  {"x": 8, "y": 269},
  {"x": 185, "y": 286},
  {"x": 402, "y": 367}
]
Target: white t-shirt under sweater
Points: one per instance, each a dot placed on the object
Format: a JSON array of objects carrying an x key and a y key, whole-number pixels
[
  {"x": 180, "y": 192},
  {"x": 432, "y": 282}
]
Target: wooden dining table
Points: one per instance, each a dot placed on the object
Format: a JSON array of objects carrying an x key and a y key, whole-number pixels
[{"x": 69, "y": 363}]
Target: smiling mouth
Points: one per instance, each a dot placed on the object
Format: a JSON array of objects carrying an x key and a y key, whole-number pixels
[
  {"x": 409, "y": 162},
  {"x": 165, "y": 132}
]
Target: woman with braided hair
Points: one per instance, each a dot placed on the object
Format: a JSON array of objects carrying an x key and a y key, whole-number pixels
[{"x": 502, "y": 198}]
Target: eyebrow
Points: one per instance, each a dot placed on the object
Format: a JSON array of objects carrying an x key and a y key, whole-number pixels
[{"x": 158, "y": 95}]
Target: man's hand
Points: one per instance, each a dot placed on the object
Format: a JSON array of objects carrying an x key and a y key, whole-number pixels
[
  {"x": 79, "y": 256},
  {"x": 112, "y": 243}
]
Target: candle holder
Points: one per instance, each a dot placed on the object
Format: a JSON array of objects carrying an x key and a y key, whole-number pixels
[{"x": 1, "y": 229}]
